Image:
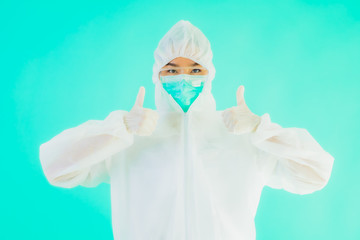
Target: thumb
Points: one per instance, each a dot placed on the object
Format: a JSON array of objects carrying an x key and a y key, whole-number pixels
[
  {"x": 240, "y": 95},
  {"x": 140, "y": 97}
]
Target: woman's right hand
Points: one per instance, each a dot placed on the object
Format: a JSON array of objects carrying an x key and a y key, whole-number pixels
[{"x": 141, "y": 121}]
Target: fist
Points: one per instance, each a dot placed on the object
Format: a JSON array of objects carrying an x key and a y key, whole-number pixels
[
  {"x": 240, "y": 119},
  {"x": 141, "y": 121}
]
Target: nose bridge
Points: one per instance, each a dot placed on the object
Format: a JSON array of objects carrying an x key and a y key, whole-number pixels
[{"x": 186, "y": 70}]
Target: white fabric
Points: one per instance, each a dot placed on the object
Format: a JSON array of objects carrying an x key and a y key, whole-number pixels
[
  {"x": 183, "y": 40},
  {"x": 191, "y": 179}
]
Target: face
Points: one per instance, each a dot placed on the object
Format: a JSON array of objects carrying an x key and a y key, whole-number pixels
[{"x": 182, "y": 65}]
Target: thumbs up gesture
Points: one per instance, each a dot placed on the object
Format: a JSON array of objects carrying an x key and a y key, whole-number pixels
[
  {"x": 141, "y": 121},
  {"x": 240, "y": 119}
]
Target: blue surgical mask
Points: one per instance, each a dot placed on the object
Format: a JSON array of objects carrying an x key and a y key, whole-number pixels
[{"x": 184, "y": 88}]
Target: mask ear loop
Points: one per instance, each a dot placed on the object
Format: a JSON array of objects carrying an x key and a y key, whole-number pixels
[{"x": 207, "y": 85}]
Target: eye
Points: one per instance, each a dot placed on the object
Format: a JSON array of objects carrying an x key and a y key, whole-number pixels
[
  {"x": 196, "y": 70},
  {"x": 171, "y": 71}
]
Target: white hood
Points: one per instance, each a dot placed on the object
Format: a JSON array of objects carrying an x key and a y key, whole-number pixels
[{"x": 184, "y": 40}]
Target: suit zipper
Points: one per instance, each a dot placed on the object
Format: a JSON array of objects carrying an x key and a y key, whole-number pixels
[{"x": 186, "y": 180}]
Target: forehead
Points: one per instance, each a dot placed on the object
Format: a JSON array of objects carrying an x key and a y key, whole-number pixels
[{"x": 182, "y": 62}]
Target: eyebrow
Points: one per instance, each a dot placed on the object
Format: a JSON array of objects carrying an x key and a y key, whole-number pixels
[{"x": 175, "y": 65}]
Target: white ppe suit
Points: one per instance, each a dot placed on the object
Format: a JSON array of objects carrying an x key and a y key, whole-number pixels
[{"x": 191, "y": 179}]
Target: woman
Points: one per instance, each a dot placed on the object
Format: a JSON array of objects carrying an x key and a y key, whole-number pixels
[{"x": 185, "y": 170}]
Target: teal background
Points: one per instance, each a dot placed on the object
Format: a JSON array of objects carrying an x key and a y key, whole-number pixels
[{"x": 65, "y": 62}]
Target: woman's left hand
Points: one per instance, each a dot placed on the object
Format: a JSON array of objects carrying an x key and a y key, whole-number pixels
[{"x": 240, "y": 119}]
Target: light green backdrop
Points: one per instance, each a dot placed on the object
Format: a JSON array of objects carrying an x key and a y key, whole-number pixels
[{"x": 66, "y": 62}]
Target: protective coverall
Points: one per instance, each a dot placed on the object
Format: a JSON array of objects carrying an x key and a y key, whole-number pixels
[{"x": 191, "y": 179}]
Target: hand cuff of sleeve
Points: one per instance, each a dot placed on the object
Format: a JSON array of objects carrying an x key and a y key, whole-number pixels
[{"x": 265, "y": 129}]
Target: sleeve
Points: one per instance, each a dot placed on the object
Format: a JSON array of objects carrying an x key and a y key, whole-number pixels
[
  {"x": 82, "y": 155},
  {"x": 290, "y": 158}
]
